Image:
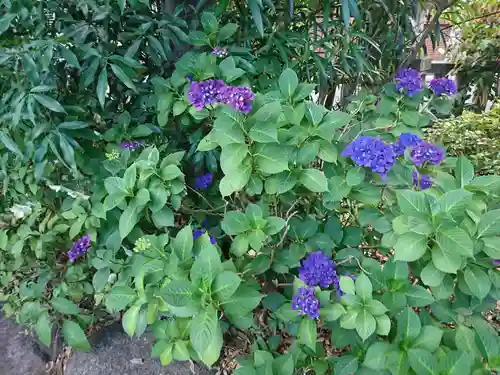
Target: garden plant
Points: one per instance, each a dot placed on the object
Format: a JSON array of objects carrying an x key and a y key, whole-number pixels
[{"x": 212, "y": 208}]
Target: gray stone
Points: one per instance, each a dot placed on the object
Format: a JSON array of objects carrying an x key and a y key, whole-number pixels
[
  {"x": 116, "y": 353},
  {"x": 20, "y": 353}
]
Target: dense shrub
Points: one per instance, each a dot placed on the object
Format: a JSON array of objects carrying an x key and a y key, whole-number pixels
[
  {"x": 474, "y": 134},
  {"x": 206, "y": 206}
]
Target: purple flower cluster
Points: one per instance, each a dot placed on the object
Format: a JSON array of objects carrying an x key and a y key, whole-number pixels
[
  {"x": 426, "y": 151},
  {"x": 215, "y": 91},
  {"x": 79, "y": 248},
  {"x": 132, "y": 145},
  {"x": 371, "y": 152},
  {"x": 440, "y": 86},
  {"x": 422, "y": 180},
  {"x": 405, "y": 140},
  {"x": 495, "y": 262},
  {"x": 203, "y": 182},
  {"x": 318, "y": 269},
  {"x": 220, "y": 52},
  {"x": 306, "y": 303},
  {"x": 409, "y": 79},
  {"x": 199, "y": 232}
]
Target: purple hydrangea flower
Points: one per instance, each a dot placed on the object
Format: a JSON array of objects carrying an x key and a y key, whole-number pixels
[
  {"x": 496, "y": 262},
  {"x": 238, "y": 97},
  {"x": 216, "y": 91},
  {"x": 206, "y": 92},
  {"x": 422, "y": 180},
  {"x": 132, "y": 145},
  {"x": 189, "y": 78},
  {"x": 306, "y": 303},
  {"x": 203, "y": 182},
  {"x": 317, "y": 269},
  {"x": 405, "y": 140},
  {"x": 426, "y": 151},
  {"x": 220, "y": 52},
  {"x": 79, "y": 248},
  {"x": 371, "y": 152},
  {"x": 440, "y": 86},
  {"x": 409, "y": 79}
]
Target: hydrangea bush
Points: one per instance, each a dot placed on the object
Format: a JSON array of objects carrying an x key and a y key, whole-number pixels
[{"x": 333, "y": 241}]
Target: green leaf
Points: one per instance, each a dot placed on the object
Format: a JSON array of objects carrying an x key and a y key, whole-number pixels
[
  {"x": 100, "y": 279},
  {"x": 347, "y": 284},
  {"x": 232, "y": 155},
  {"x": 492, "y": 247},
  {"x": 412, "y": 202},
  {"x": 256, "y": 15},
  {"x": 9, "y": 143},
  {"x": 355, "y": 176},
  {"x": 409, "y": 325},
  {"x": 365, "y": 324},
  {"x": 74, "y": 335},
  {"x": 183, "y": 244},
  {"x": 244, "y": 300},
  {"x": 410, "y": 247},
  {"x": 207, "y": 265},
  {"x": 465, "y": 340},
  {"x": 274, "y": 225},
  {"x": 307, "y": 333},
  {"x": 288, "y": 83},
  {"x": 431, "y": 276},
  {"x": 429, "y": 338},
  {"x": 178, "y": 292},
  {"x": 5, "y": 21},
  {"x": 419, "y": 297},
  {"x": 235, "y": 222},
  {"x": 49, "y": 103},
  {"x": 314, "y": 180},
  {"x": 364, "y": 287},
  {"x": 464, "y": 171},
  {"x": 376, "y": 356},
  {"x": 239, "y": 245},
  {"x": 43, "y": 329},
  {"x": 227, "y": 31},
  {"x": 489, "y": 224},
  {"x": 209, "y": 22},
  {"x": 397, "y": 362},
  {"x": 487, "y": 340},
  {"x": 129, "y": 218},
  {"x": 204, "y": 327},
  {"x": 70, "y": 57},
  {"x": 422, "y": 362},
  {"x": 331, "y": 122},
  {"x": 346, "y": 365},
  {"x": 163, "y": 218},
  {"x": 478, "y": 281},
  {"x": 119, "y": 298},
  {"x": 122, "y": 76},
  {"x": 454, "y": 202},
  {"x": 375, "y": 307},
  {"x": 455, "y": 239},
  {"x": 383, "y": 325},
  {"x": 236, "y": 178},
  {"x": 456, "y": 363},
  {"x": 315, "y": 113},
  {"x": 225, "y": 285},
  {"x": 264, "y": 133},
  {"x": 130, "y": 177},
  {"x": 446, "y": 259},
  {"x": 179, "y": 107},
  {"x": 102, "y": 86},
  {"x": 332, "y": 312},
  {"x": 270, "y": 158},
  {"x": 64, "y": 306},
  {"x": 129, "y": 320}
]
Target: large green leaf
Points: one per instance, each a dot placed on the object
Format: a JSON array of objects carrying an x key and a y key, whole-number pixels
[
  {"x": 429, "y": 338},
  {"x": 122, "y": 76},
  {"x": 129, "y": 320},
  {"x": 364, "y": 287},
  {"x": 365, "y": 324},
  {"x": 74, "y": 335},
  {"x": 431, "y": 276},
  {"x": 271, "y": 158},
  {"x": 206, "y": 266},
  {"x": 409, "y": 325},
  {"x": 102, "y": 86},
  {"x": 183, "y": 244},
  {"x": 307, "y": 333},
  {"x": 478, "y": 281},
  {"x": 235, "y": 222},
  {"x": 225, "y": 284},
  {"x": 455, "y": 239},
  {"x": 129, "y": 218},
  {"x": 410, "y": 247},
  {"x": 346, "y": 365},
  {"x": 446, "y": 259},
  {"x": 314, "y": 180},
  {"x": 464, "y": 171},
  {"x": 43, "y": 329},
  {"x": 288, "y": 83},
  {"x": 64, "y": 306},
  {"x": 49, "y": 103},
  {"x": 204, "y": 331},
  {"x": 489, "y": 224},
  {"x": 456, "y": 362},
  {"x": 422, "y": 362},
  {"x": 376, "y": 356},
  {"x": 178, "y": 292},
  {"x": 454, "y": 202},
  {"x": 412, "y": 202},
  {"x": 418, "y": 296}
]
